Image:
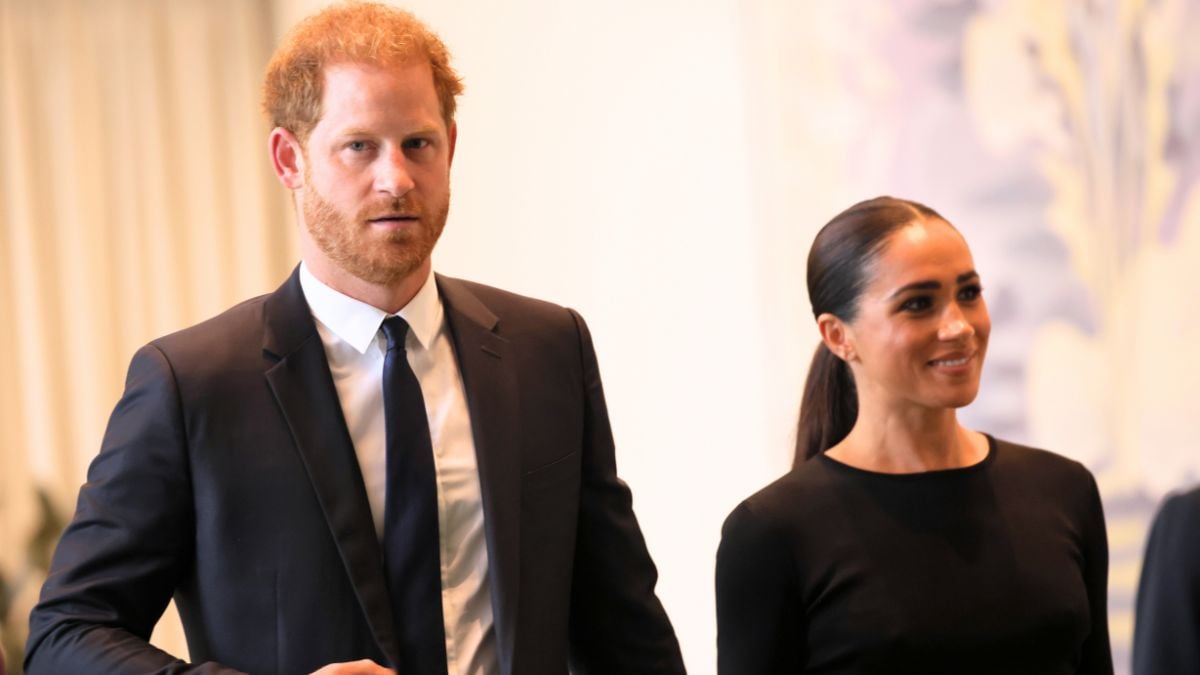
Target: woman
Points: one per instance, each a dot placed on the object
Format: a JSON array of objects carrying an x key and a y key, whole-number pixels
[{"x": 901, "y": 541}]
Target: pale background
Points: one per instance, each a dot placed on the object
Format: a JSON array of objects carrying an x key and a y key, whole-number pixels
[{"x": 661, "y": 166}]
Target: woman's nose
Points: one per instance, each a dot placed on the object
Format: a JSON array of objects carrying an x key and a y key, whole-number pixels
[{"x": 954, "y": 324}]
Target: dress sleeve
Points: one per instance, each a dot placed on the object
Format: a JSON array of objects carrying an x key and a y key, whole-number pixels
[
  {"x": 1096, "y": 657},
  {"x": 758, "y": 627},
  {"x": 1168, "y": 597}
]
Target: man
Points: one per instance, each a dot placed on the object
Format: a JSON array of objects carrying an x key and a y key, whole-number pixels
[
  {"x": 373, "y": 465},
  {"x": 1166, "y": 630}
]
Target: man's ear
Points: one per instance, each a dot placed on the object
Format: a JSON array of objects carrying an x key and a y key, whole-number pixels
[
  {"x": 287, "y": 157},
  {"x": 837, "y": 336},
  {"x": 452, "y": 133}
]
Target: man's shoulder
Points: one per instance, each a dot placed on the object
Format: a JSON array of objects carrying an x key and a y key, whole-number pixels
[
  {"x": 230, "y": 342},
  {"x": 1180, "y": 510},
  {"x": 239, "y": 322},
  {"x": 494, "y": 298},
  {"x": 508, "y": 310},
  {"x": 218, "y": 349}
]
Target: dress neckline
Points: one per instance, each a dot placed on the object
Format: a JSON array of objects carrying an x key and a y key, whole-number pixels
[{"x": 917, "y": 475}]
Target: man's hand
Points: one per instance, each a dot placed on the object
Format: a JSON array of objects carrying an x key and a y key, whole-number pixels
[{"x": 363, "y": 667}]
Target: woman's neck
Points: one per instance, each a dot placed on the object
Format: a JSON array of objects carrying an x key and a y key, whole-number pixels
[{"x": 909, "y": 441}]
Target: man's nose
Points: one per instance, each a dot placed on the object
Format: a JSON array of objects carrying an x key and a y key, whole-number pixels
[
  {"x": 954, "y": 325},
  {"x": 392, "y": 175}
]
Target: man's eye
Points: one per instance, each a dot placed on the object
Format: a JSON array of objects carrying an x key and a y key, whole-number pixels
[
  {"x": 357, "y": 146},
  {"x": 416, "y": 143}
]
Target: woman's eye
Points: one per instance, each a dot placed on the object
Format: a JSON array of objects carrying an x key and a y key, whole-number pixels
[
  {"x": 917, "y": 304},
  {"x": 357, "y": 146},
  {"x": 969, "y": 293}
]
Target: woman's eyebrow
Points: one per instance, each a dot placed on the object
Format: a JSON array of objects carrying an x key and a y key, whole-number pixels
[{"x": 932, "y": 284}]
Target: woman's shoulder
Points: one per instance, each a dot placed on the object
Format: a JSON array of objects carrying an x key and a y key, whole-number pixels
[
  {"x": 1015, "y": 456},
  {"x": 1033, "y": 471},
  {"x": 798, "y": 492}
]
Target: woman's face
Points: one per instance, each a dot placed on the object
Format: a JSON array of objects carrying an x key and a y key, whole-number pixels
[{"x": 922, "y": 327}]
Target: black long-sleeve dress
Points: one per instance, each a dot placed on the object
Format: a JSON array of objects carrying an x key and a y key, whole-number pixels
[{"x": 1000, "y": 567}]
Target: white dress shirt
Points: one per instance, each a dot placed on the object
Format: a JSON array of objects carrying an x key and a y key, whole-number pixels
[{"x": 355, "y": 348}]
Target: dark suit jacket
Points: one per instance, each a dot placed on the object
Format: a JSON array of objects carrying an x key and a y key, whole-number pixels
[
  {"x": 1166, "y": 635},
  {"x": 228, "y": 480}
]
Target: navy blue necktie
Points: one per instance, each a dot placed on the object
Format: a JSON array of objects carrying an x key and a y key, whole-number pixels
[{"x": 410, "y": 523}]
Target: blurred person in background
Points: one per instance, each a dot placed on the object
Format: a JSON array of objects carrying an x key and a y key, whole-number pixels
[
  {"x": 1166, "y": 630},
  {"x": 374, "y": 465},
  {"x": 901, "y": 541}
]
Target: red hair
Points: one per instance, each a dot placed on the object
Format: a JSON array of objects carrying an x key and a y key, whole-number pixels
[{"x": 354, "y": 32}]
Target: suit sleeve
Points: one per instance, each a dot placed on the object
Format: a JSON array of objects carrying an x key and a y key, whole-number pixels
[
  {"x": 1168, "y": 599},
  {"x": 1096, "y": 656},
  {"x": 119, "y": 560},
  {"x": 756, "y": 600},
  {"x": 617, "y": 623}
]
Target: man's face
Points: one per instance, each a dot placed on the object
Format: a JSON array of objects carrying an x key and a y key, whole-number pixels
[{"x": 377, "y": 171}]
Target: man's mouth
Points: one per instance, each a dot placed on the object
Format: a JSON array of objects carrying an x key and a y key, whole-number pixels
[
  {"x": 393, "y": 219},
  {"x": 392, "y": 216}
]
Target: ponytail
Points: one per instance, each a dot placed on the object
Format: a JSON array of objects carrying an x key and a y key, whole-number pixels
[{"x": 828, "y": 408}]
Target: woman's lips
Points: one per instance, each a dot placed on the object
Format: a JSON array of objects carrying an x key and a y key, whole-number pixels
[{"x": 953, "y": 363}]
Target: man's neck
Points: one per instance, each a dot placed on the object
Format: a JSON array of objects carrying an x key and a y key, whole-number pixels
[{"x": 390, "y": 298}]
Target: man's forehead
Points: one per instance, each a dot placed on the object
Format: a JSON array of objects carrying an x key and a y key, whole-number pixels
[
  {"x": 378, "y": 66},
  {"x": 364, "y": 95},
  {"x": 364, "y": 81}
]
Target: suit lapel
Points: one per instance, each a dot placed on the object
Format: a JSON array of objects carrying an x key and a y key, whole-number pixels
[
  {"x": 490, "y": 378},
  {"x": 304, "y": 389}
]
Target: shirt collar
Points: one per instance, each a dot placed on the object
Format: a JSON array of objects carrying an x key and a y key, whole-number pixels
[{"x": 357, "y": 324}]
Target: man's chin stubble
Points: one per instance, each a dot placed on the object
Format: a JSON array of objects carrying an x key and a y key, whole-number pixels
[{"x": 388, "y": 272}]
